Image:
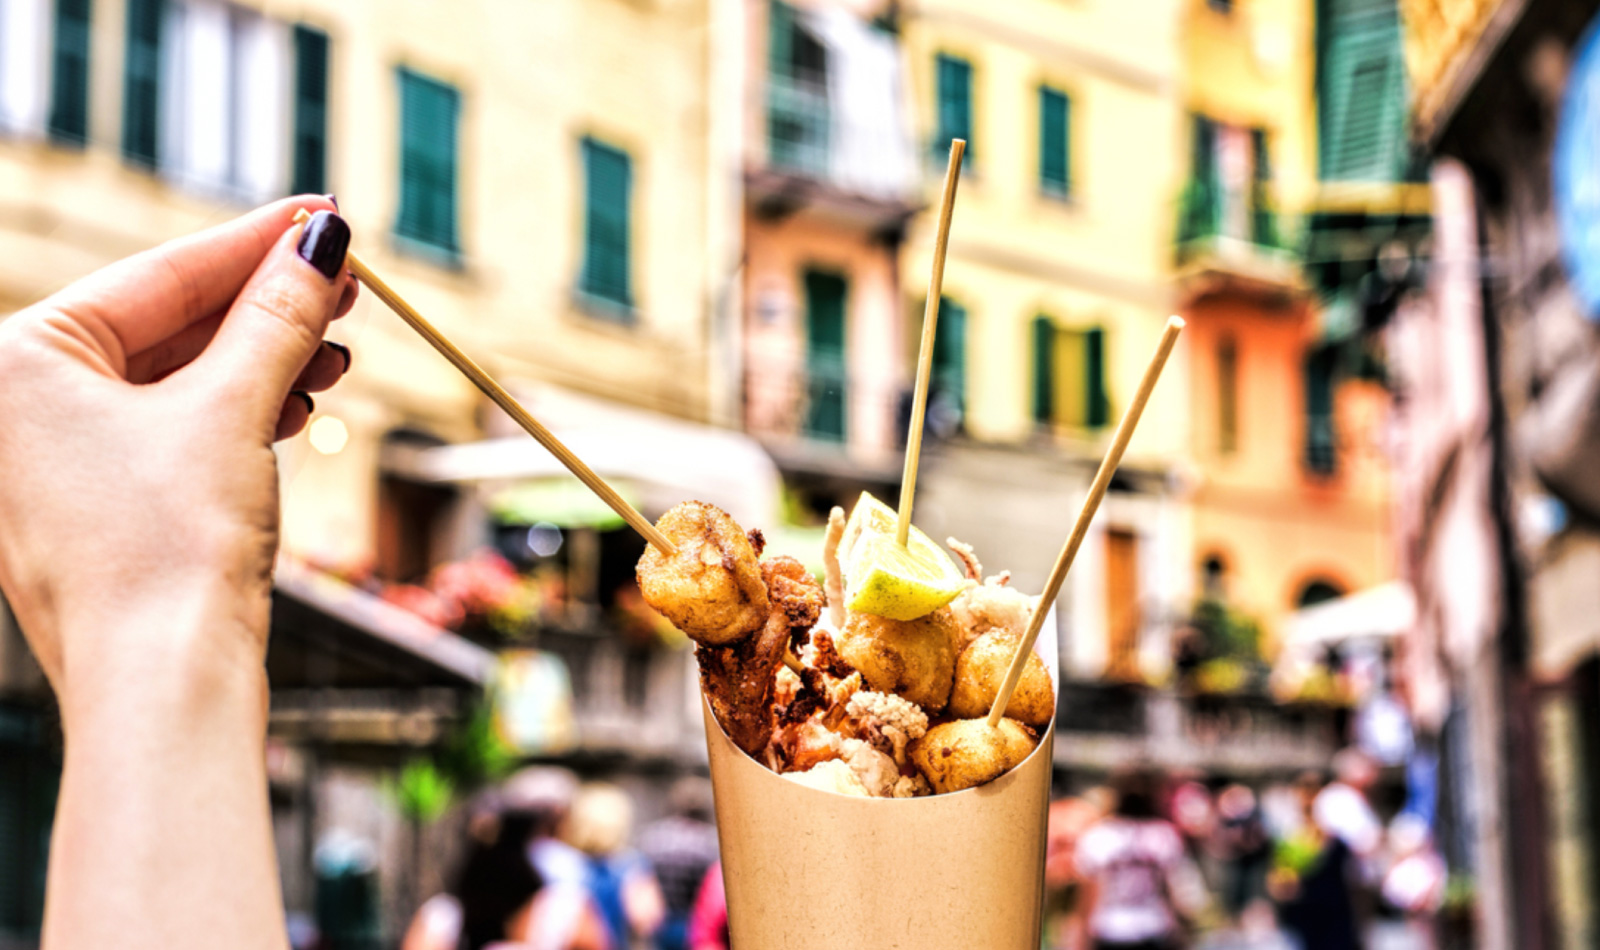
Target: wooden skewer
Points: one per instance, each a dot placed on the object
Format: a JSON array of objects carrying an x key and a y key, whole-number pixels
[
  {"x": 504, "y": 400},
  {"x": 930, "y": 320},
  {"x": 1097, "y": 491}
]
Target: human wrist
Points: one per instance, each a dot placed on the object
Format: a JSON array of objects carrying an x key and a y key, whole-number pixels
[{"x": 194, "y": 650}]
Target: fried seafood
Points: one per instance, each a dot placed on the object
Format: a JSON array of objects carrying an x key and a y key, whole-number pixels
[
  {"x": 741, "y": 680},
  {"x": 967, "y": 752},
  {"x": 981, "y": 668},
  {"x": 711, "y": 588},
  {"x": 992, "y": 605},
  {"x": 914, "y": 658}
]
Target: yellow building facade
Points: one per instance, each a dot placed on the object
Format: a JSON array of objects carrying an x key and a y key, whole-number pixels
[
  {"x": 482, "y": 152},
  {"x": 1290, "y": 499}
]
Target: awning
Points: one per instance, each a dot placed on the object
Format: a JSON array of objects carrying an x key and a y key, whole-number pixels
[
  {"x": 654, "y": 459},
  {"x": 327, "y": 634},
  {"x": 1377, "y": 613}
]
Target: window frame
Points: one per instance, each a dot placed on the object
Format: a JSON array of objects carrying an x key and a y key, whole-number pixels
[
  {"x": 409, "y": 236},
  {"x": 939, "y": 148},
  {"x": 624, "y": 309},
  {"x": 1065, "y": 190}
]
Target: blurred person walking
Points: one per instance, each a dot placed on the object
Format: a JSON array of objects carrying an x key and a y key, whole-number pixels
[
  {"x": 1317, "y": 874},
  {"x": 490, "y": 900},
  {"x": 619, "y": 880},
  {"x": 681, "y": 848},
  {"x": 1138, "y": 885},
  {"x": 1241, "y": 844},
  {"x": 708, "y": 924}
]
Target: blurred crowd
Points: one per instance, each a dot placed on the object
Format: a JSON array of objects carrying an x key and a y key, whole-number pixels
[
  {"x": 1149, "y": 861},
  {"x": 555, "y": 864},
  {"x": 1158, "y": 862}
]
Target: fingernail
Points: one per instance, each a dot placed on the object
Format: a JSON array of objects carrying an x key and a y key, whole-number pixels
[
  {"x": 324, "y": 241},
  {"x": 311, "y": 404},
  {"x": 334, "y": 199},
  {"x": 343, "y": 351}
]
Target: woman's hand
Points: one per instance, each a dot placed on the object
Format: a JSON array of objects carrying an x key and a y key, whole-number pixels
[
  {"x": 139, "y": 409},
  {"x": 138, "y": 524}
]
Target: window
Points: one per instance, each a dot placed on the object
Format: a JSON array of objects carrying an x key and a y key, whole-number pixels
[
  {"x": 310, "y": 172},
  {"x": 953, "y": 83},
  {"x": 1229, "y": 184},
  {"x": 1318, "y": 591},
  {"x": 1122, "y": 604},
  {"x": 797, "y": 95},
  {"x": 1263, "y": 222},
  {"x": 1360, "y": 86},
  {"x": 223, "y": 101},
  {"x": 947, "y": 377},
  {"x": 1227, "y": 395},
  {"x": 1069, "y": 387},
  {"x": 69, "y": 90},
  {"x": 607, "y": 223},
  {"x": 1221, "y": 6},
  {"x": 429, "y": 111},
  {"x": 24, "y": 65},
  {"x": 1055, "y": 142},
  {"x": 826, "y": 382},
  {"x": 141, "y": 83},
  {"x": 1320, "y": 454}
]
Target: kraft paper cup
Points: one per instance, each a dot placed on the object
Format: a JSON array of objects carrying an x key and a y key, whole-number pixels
[{"x": 811, "y": 870}]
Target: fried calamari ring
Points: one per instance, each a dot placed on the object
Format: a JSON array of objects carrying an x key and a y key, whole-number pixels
[{"x": 711, "y": 589}]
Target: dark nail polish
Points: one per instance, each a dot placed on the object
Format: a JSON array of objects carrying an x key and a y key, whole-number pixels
[
  {"x": 324, "y": 241},
  {"x": 334, "y": 199},
  {"x": 343, "y": 351},
  {"x": 311, "y": 404}
]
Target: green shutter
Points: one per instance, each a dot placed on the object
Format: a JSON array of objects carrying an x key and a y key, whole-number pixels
[
  {"x": 1319, "y": 449},
  {"x": 1263, "y": 223},
  {"x": 69, "y": 88},
  {"x": 310, "y": 172},
  {"x": 429, "y": 111},
  {"x": 948, "y": 375},
  {"x": 141, "y": 86},
  {"x": 1055, "y": 143},
  {"x": 1361, "y": 97},
  {"x": 954, "y": 88},
  {"x": 1200, "y": 215},
  {"x": 1227, "y": 396},
  {"x": 608, "y": 187},
  {"x": 826, "y": 380},
  {"x": 1044, "y": 369},
  {"x": 1094, "y": 378}
]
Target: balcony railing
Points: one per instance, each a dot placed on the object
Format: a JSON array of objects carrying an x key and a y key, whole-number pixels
[
  {"x": 822, "y": 405},
  {"x": 798, "y": 118}
]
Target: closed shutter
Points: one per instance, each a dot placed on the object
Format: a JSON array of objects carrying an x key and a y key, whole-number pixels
[
  {"x": 141, "y": 88},
  {"x": 1055, "y": 142},
  {"x": 1319, "y": 449},
  {"x": 827, "y": 385},
  {"x": 69, "y": 88},
  {"x": 1044, "y": 369},
  {"x": 1094, "y": 378},
  {"x": 1201, "y": 213},
  {"x": 309, "y": 174},
  {"x": 948, "y": 375},
  {"x": 428, "y": 116},
  {"x": 954, "y": 89},
  {"x": 608, "y": 187},
  {"x": 1263, "y": 225},
  {"x": 1361, "y": 97}
]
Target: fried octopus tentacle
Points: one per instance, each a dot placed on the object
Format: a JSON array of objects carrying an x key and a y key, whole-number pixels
[{"x": 830, "y": 566}]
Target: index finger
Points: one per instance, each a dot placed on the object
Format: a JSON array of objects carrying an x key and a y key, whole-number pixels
[{"x": 156, "y": 294}]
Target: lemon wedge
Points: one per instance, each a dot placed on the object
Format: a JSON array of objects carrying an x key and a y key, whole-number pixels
[{"x": 885, "y": 579}]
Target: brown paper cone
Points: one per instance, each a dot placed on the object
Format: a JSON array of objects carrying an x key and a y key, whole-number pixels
[{"x": 811, "y": 870}]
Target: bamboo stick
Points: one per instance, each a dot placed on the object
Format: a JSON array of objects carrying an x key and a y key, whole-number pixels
[
  {"x": 503, "y": 399},
  {"x": 1097, "y": 491},
  {"x": 930, "y": 321}
]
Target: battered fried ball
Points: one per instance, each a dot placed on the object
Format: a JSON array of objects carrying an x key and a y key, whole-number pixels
[
  {"x": 913, "y": 658},
  {"x": 981, "y": 668},
  {"x": 711, "y": 589},
  {"x": 967, "y": 753}
]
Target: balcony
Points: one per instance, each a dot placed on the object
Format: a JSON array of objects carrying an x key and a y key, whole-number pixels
[
  {"x": 822, "y": 419},
  {"x": 837, "y": 141},
  {"x": 1233, "y": 240}
]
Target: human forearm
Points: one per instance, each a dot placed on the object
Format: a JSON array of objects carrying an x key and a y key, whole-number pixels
[{"x": 163, "y": 829}]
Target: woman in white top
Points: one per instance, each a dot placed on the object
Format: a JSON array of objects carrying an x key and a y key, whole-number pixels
[{"x": 1133, "y": 866}]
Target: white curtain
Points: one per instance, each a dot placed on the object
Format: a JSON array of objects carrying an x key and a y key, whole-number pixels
[
  {"x": 225, "y": 101},
  {"x": 871, "y": 151},
  {"x": 24, "y": 65}
]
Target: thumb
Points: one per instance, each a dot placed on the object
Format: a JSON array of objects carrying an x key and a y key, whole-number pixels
[{"x": 276, "y": 323}]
